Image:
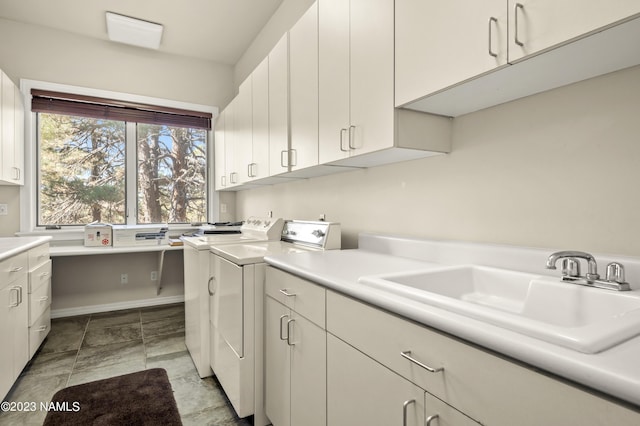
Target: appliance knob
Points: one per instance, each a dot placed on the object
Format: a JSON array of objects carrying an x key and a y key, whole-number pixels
[{"x": 318, "y": 233}]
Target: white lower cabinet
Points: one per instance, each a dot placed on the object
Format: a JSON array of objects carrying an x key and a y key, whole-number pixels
[
  {"x": 25, "y": 319},
  {"x": 295, "y": 352},
  {"x": 477, "y": 384},
  {"x": 363, "y": 391}
]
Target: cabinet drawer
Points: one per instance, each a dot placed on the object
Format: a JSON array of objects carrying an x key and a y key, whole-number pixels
[
  {"x": 13, "y": 268},
  {"x": 38, "y": 331},
  {"x": 302, "y": 296},
  {"x": 39, "y": 301},
  {"x": 39, "y": 276},
  {"x": 485, "y": 386},
  {"x": 38, "y": 255}
]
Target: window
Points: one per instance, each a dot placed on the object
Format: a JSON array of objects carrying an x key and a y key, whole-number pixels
[{"x": 121, "y": 163}]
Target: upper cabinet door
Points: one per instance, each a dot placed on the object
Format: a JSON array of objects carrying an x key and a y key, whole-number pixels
[
  {"x": 441, "y": 43},
  {"x": 334, "y": 58},
  {"x": 536, "y": 25},
  {"x": 279, "y": 107},
  {"x": 372, "y": 35},
  {"x": 243, "y": 132},
  {"x": 259, "y": 166},
  {"x": 219, "y": 168},
  {"x": 303, "y": 90}
]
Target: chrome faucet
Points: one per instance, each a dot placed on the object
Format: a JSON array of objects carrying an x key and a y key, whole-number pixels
[{"x": 571, "y": 270}]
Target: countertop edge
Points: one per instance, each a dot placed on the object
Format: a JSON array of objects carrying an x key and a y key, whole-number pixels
[{"x": 21, "y": 244}]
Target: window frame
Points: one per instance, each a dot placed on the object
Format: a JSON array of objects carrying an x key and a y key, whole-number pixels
[{"x": 29, "y": 191}]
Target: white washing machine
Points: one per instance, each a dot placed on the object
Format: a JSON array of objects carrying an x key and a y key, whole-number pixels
[
  {"x": 236, "y": 299},
  {"x": 196, "y": 274}
]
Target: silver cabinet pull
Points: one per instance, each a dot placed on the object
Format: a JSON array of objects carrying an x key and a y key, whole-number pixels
[
  {"x": 352, "y": 137},
  {"x": 284, "y": 163},
  {"x": 17, "y": 269},
  {"x": 42, "y": 328},
  {"x": 233, "y": 177},
  {"x": 492, "y": 20},
  {"x": 44, "y": 298},
  {"x": 407, "y": 355},
  {"x": 428, "y": 420},
  {"x": 405, "y": 407},
  {"x": 342, "y": 132},
  {"x": 293, "y": 158},
  {"x": 250, "y": 171},
  {"x": 286, "y": 292},
  {"x": 282, "y": 328},
  {"x": 20, "y": 295},
  {"x": 291, "y": 321},
  {"x": 223, "y": 181},
  {"x": 211, "y": 279},
  {"x": 17, "y": 302},
  {"x": 515, "y": 20}
]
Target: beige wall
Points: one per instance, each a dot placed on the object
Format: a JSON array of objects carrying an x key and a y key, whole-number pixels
[
  {"x": 38, "y": 53},
  {"x": 556, "y": 170},
  {"x": 81, "y": 281}
]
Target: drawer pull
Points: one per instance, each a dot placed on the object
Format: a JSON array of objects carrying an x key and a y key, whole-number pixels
[
  {"x": 17, "y": 269},
  {"x": 429, "y": 419},
  {"x": 42, "y": 329},
  {"x": 44, "y": 298},
  {"x": 407, "y": 355},
  {"x": 44, "y": 274},
  {"x": 282, "y": 328},
  {"x": 405, "y": 406},
  {"x": 286, "y": 293}
]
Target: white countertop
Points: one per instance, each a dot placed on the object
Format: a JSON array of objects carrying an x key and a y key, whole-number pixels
[
  {"x": 615, "y": 371},
  {"x": 10, "y": 246}
]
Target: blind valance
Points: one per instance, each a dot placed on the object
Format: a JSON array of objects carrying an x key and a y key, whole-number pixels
[{"x": 110, "y": 109}]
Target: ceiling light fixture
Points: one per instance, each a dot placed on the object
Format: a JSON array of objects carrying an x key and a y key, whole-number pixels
[{"x": 136, "y": 32}]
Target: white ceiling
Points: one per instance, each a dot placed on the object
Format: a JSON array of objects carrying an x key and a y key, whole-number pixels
[{"x": 214, "y": 30}]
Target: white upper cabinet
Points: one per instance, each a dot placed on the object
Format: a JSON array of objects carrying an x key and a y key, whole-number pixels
[
  {"x": 450, "y": 56},
  {"x": 11, "y": 133},
  {"x": 541, "y": 24},
  {"x": 279, "y": 107},
  {"x": 359, "y": 126},
  {"x": 303, "y": 90},
  {"x": 243, "y": 132},
  {"x": 219, "y": 172},
  {"x": 259, "y": 165},
  {"x": 442, "y": 43}
]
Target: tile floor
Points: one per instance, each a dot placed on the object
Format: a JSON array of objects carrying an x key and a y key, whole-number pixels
[{"x": 92, "y": 347}]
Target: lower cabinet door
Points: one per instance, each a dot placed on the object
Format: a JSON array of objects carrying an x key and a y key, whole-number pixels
[
  {"x": 308, "y": 373},
  {"x": 277, "y": 363},
  {"x": 361, "y": 391}
]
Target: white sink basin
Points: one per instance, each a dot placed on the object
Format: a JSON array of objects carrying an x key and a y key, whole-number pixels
[{"x": 581, "y": 318}]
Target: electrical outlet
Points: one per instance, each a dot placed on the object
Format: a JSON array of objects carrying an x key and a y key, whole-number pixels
[
  {"x": 4, "y": 209},
  {"x": 154, "y": 275},
  {"x": 124, "y": 279},
  {"x": 223, "y": 208}
]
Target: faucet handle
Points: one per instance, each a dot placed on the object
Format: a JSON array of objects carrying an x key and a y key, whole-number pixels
[
  {"x": 615, "y": 272},
  {"x": 570, "y": 267}
]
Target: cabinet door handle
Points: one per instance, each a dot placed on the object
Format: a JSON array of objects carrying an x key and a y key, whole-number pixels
[
  {"x": 20, "y": 295},
  {"x": 289, "y": 333},
  {"x": 282, "y": 328},
  {"x": 233, "y": 177},
  {"x": 211, "y": 292},
  {"x": 286, "y": 293},
  {"x": 407, "y": 355},
  {"x": 13, "y": 305},
  {"x": 284, "y": 163},
  {"x": 428, "y": 420},
  {"x": 223, "y": 181},
  {"x": 515, "y": 20},
  {"x": 294, "y": 158},
  {"x": 42, "y": 328},
  {"x": 405, "y": 407},
  {"x": 352, "y": 137},
  {"x": 492, "y": 20},
  {"x": 342, "y": 132}
]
